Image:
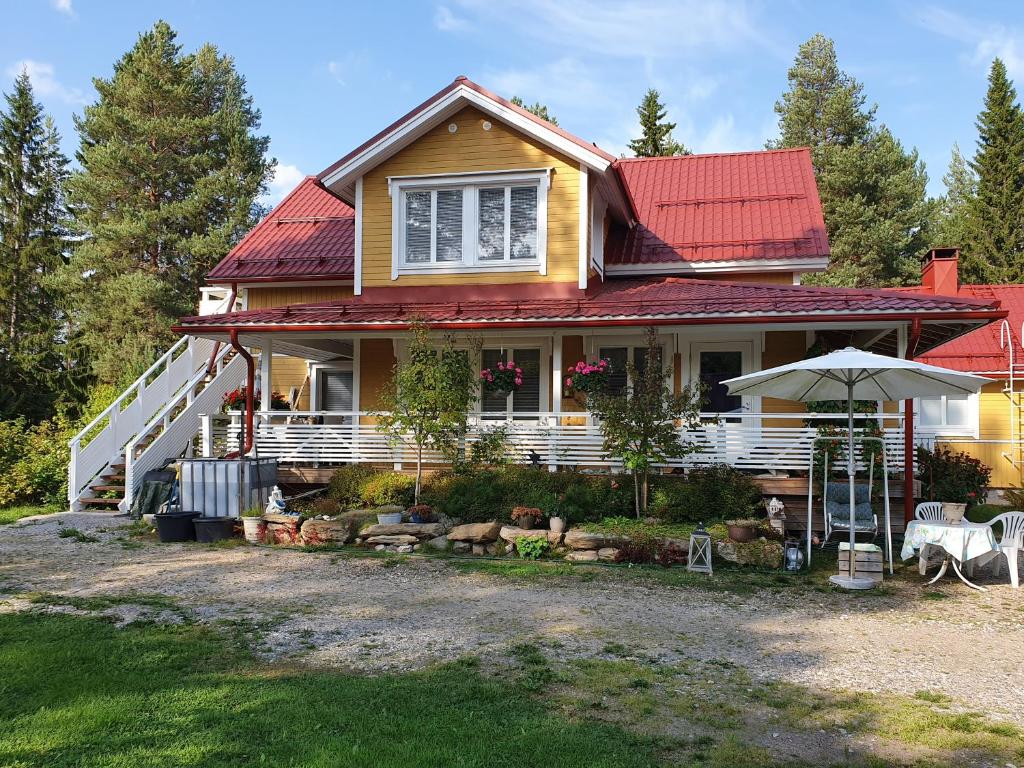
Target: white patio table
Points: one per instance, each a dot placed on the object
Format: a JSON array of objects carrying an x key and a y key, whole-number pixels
[{"x": 964, "y": 542}]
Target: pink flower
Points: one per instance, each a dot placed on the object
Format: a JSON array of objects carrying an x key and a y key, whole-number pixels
[
  {"x": 568, "y": 382},
  {"x": 519, "y": 382}
]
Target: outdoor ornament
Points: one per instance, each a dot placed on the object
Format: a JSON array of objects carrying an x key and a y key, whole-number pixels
[
  {"x": 776, "y": 515},
  {"x": 699, "y": 559},
  {"x": 794, "y": 555}
]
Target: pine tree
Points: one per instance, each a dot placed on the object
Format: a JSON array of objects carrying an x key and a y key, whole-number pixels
[
  {"x": 997, "y": 212},
  {"x": 872, "y": 190},
  {"x": 952, "y": 227},
  {"x": 32, "y": 236},
  {"x": 171, "y": 169},
  {"x": 656, "y": 137},
  {"x": 538, "y": 109}
]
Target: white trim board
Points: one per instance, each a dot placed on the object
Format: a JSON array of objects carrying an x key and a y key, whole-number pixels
[{"x": 698, "y": 267}]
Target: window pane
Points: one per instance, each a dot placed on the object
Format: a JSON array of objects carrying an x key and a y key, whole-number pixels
[
  {"x": 449, "y": 225},
  {"x": 492, "y": 225},
  {"x": 957, "y": 411},
  {"x": 640, "y": 359},
  {"x": 492, "y": 402},
  {"x": 617, "y": 357},
  {"x": 524, "y": 222},
  {"x": 417, "y": 227},
  {"x": 716, "y": 367},
  {"x": 931, "y": 411},
  {"x": 526, "y": 399},
  {"x": 336, "y": 391}
]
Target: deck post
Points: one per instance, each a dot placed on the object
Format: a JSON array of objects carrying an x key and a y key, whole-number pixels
[
  {"x": 266, "y": 364},
  {"x": 908, "y": 430}
]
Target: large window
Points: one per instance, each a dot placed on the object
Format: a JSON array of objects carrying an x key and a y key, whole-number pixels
[
  {"x": 471, "y": 223},
  {"x": 526, "y": 399},
  {"x": 617, "y": 357},
  {"x": 949, "y": 414}
]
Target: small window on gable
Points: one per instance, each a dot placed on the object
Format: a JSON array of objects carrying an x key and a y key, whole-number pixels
[{"x": 471, "y": 223}]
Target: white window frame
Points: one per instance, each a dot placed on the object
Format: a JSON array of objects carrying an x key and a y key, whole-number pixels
[
  {"x": 316, "y": 369},
  {"x": 469, "y": 183},
  {"x": 945, "y": 429}
]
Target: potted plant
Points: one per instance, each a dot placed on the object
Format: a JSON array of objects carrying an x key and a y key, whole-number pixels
[
  {"x": 253, "y": 526},
  {"x": 743, "y": 530},
  {"x": 502, "y": 378},
  {"x": 526, "y": 517},
  {"x": 556, "y": 523},
  {"x": 587, "y": 377},
  {"x": 420, "y": 513}
]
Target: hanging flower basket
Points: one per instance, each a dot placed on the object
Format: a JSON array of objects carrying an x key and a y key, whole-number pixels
[
  {"x": 501, "y": 379},
  {"x": 235, "y": 400},
  {"x": 589, "y": 377}
]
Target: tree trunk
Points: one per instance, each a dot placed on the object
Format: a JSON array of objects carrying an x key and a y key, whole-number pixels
[
  {"x": 636, "y": 493},
  {"x": 419, "y": 473},
  {"x": 643, "y": 492}
]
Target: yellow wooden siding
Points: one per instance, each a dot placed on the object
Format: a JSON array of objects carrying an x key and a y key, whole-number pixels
[
  {"x": 769, "y": 278},
  {"x": 471, "y": 149},
  {"x": 376, "y": 365},
  {"x": 781, "y": 347},
  {"x": 289, "y": 372},
  {"x": 993, "y": 437},
  {"x": 265, "y": 298}
]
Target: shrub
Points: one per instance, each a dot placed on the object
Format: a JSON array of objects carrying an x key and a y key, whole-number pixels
[
  {"x": 346, "y": 484},
  {"x": 532, "y": 547},
  {"x": 325, "y": 507},
  {"x": 709, "y": 493},
  {"x": 34, "y": 460},
  {"x": 387, "y": 488},
  {"x": 953, "y": 477}
]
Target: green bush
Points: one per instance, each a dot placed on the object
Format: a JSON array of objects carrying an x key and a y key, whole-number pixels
[
  {"x": 34, "y": 461},
  {"x": 708, "y": 493},
  {"x": 387, "y": 488},
  {"x": 953, "y": 477},
  {"x": 346, "y": 484}
]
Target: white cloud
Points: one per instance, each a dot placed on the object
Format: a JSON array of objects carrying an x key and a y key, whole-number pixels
[
  {"x": 447, "y": 21},
  {"x": 986, "y": 40},
  {"x": 349, "y": 68},
  {"x": 286, "y": 178},
  {"x": 44, "y": 81},
  {"x": 672, "y": 29},
  {"x": 561, "y": 83},
  {"x": 64, "y": 6}
]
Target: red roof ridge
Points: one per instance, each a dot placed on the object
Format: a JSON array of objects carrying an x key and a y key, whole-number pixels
[{"x": 698, "y": 155}]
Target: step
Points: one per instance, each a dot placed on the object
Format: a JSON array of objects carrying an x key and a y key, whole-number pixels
[
  {"x": 107, "y": 488},
  {"x": 114, "y": 478},
  {"x": 96, "y": 502}
]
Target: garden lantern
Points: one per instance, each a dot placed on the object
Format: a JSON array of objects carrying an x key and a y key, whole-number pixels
[
  {"x": 699, "y": 559},
  {"x": 794, "y": 555},
  {"x": 777, "y": 515}
]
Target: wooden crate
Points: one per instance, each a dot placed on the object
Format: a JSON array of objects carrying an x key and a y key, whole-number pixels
[{"x": 869, "y": 563}]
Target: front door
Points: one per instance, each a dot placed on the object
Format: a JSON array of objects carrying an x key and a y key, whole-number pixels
[{"x": 711, "y": 364}]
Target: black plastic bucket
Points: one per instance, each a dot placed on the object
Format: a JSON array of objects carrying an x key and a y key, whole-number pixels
[
  {"x": 211, "y": 529},
  {"x": 175, "y": 526}
]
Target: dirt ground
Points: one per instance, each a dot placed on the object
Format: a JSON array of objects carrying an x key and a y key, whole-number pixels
[{"x": 374, "y": 614}]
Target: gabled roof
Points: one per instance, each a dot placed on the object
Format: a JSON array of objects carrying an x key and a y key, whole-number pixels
[
  {"x": 341, "y": 175},
  {"x": 980, "y": 351},
  {"x": 309, "y": 234},
  {"x": 742, "y": 207},
  {"x": 623, "y": 302}
]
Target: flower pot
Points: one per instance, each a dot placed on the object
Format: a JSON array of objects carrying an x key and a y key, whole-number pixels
[
  {"x": 175, "y": 526},
  {"x": 254, "y": 528},
  {"x": 389, "y": 518},
  {"x": 742, "y": 533},
  {"x": 557, "y": 524},
  {"x": 211, "y": 529},
  {"x": 953, "y": 513},
  {"x": 417, "y": 518},
  {"x": 527, "y": 522}
]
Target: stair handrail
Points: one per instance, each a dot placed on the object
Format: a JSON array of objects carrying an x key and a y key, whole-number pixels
[{"x": 186, "y": 392}]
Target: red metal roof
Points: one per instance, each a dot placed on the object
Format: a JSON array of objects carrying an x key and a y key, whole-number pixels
[
  {"x": 309, "y": 234},
  {"x": 723, "y": 207},
  {"x": 980, "y": 351},
  {"x": 617, "y": 301}
]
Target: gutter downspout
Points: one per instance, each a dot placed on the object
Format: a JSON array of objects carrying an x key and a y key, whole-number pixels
[
  {"x": 908, "y": 430},
  {"x": 250, "y": 383},
  {"x": 216, "y": 345}
]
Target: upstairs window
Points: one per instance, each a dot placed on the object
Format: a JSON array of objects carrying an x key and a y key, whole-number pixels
[{"x": 470, "y": 223}]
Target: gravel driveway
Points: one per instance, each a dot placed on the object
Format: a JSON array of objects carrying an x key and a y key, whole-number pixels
[{"x": 373, "y": 614}]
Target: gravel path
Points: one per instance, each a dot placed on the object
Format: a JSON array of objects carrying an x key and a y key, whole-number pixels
[{"x": 375, "y": 614}]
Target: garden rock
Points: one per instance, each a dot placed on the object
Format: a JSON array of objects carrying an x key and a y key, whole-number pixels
[
  {"x": 479, "y": 549},
  {"x": 398, "y": 539},
  {"x": 441, "y": 542},
  {"x": 404, "y": 548},
  {"x": 419, "y": 530},
  {"x": 475, "y": 533},
  {"x": 760, "y": 552},
  {"x": 582, "y": 556},
  {"x": 577, "y": 539},
  {"x": 608, "y": 553},
  {"x": 461, "y": 547},
  {"x": 510, "y": 533},
  {"x": 326, "y": 532},
  {"x": 282, "y": 529}
]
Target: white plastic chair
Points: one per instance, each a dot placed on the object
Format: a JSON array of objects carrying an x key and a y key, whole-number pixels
[
  {"x": 1010, "y": 543},
  {"x": 931, "y": 511}
]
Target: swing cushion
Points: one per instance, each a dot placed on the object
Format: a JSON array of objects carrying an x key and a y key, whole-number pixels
[{"x": 837, "y": 505}]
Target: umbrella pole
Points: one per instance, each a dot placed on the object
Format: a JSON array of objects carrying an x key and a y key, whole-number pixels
[{"x": 850, "y": 470}]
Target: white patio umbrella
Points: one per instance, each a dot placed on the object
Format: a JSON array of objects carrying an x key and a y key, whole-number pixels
[{"x": 851, "y": 374}]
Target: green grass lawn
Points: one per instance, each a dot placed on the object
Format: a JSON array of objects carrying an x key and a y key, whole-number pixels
[
  {"x": 13, "y": 514},
  {"x": 79, "y": 692}
]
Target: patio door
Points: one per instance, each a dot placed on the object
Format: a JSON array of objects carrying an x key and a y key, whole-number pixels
[
  {"x": 336, "y": 394},
  {"x": 711, "y": 363}
]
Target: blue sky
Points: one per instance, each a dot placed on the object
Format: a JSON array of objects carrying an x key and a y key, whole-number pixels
[{"x": 327, "y": 75}]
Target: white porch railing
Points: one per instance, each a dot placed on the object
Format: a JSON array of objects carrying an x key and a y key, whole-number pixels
[{"x": 764, "y": 442}]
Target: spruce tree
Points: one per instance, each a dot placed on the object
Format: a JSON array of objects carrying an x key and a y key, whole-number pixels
[
  {"x": 872, "y": 190},
  {"x": 952, "y": 226},
  {"x": 171, "y": 169},
  {"x": 32, "y": 238},
  {"x": 538, "y": 109},
  {"x": 997, "y": 212},
  {"x": 656, "y": 137}
]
